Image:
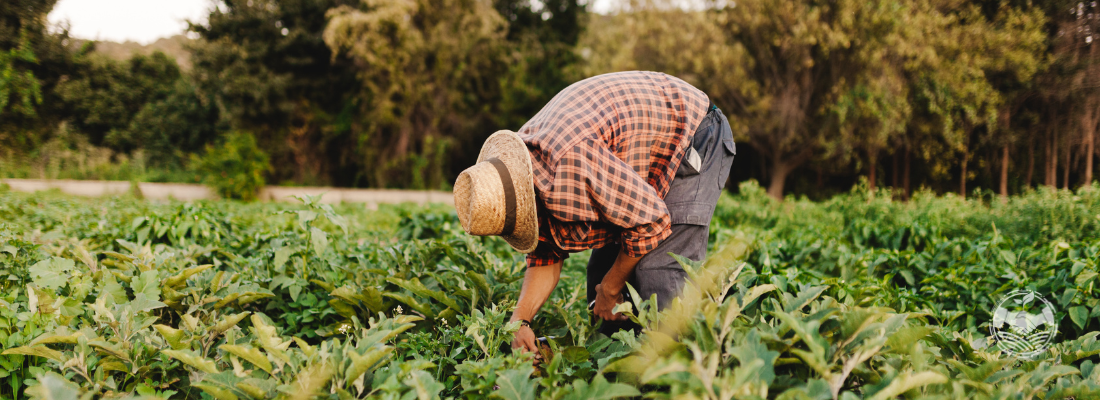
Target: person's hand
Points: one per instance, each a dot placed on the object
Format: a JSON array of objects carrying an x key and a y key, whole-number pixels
[
  {"x": 605, "y": 303},
  {"x": 526, "y": 341}
]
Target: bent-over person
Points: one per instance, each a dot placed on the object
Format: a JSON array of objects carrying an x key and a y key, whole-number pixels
[{"x": 629, "y": 164}]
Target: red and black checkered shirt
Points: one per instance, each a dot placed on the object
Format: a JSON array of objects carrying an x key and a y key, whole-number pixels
[{"x": 605, "y": 151}]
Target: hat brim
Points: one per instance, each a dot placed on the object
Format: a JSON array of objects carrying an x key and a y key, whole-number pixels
[{"x": 507, "y": 146}]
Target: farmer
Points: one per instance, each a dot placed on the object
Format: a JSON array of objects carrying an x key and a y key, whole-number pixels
[{"x": 629, "y": 164}]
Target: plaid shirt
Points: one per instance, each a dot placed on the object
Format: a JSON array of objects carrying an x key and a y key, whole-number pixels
[{"x": 604, "y": 151}]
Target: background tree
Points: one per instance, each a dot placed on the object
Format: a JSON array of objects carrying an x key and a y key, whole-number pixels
[
  {"x": 424, "y": 66},
  {"x": 103, "y": 96},
  {"x": 32, "y": 62},
  {"x": 179, "y": 124},
  {"x": 270, "y": 73}
]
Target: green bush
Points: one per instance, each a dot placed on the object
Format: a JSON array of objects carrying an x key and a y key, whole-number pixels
[
  {"x": 859, "y": 296},
  {"x": 235, "y": 168}
]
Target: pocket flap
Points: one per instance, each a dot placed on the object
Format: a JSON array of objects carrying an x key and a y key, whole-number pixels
[{"x": 730, "y": 146}]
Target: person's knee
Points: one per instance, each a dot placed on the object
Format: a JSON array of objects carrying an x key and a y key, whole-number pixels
[{"x": 666, "y": 283}]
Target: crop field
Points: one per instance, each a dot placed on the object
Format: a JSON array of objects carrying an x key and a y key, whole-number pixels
[{"x": 859, "y": 296}]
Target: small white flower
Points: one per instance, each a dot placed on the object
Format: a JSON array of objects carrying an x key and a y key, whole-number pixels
[{"x": 400, "y": 310}]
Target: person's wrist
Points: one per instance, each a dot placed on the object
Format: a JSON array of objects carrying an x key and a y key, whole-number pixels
[
  {"x": 611, "y": 289},
  {"x": 523, "y": 317}
]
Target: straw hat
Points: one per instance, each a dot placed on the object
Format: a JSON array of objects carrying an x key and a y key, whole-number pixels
[{"x": 496, "y": 196}]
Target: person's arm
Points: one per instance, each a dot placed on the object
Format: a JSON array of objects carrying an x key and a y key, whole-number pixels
[
  {"x": 609, "y": 291},
  {"x": 538, "y": 283}
]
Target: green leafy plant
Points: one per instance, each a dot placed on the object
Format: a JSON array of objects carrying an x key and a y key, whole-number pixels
[
  {"x": 855, "y": 297},
  {"x": 234, "y": 168}
]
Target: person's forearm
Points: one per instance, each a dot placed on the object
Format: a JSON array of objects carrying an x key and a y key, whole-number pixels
[
  {"x": 538, "y": 283},
  {"x": 615, "y": 280}
]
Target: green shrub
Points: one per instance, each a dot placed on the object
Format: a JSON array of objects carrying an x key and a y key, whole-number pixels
[{"x": 235, "y": 168}]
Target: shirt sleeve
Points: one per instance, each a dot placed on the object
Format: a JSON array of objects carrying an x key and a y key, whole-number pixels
[
  {"x": 625, "y": 199},
  {"x": 545, "y": 254}
]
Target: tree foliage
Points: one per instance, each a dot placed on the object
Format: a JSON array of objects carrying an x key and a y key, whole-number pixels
[
  {"x": 105, "y": 96},
  {"x": 947, "y": 94},
  {"x": 235, "y": 167},
  {"x": 424, "y": 66}
]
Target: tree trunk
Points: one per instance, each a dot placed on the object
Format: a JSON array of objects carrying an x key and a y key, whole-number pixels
[
  {"x": 1007, "y": 120},
  {"x": 962, "y": 177},
  {"x": 780, "y": 169},
  {"x": 872, "y": 162},
  {"x": 1090, "y": 127},
  {"x": 1046, "y": 157},
  {"x": 1004, "y": 175},
  {"x": 894, "y": 180},
  {"x": 905, "y": 175},
  {"x": 1050, "y": 149},
  {"x": 1030, "y": 160},
  {"x": 1089, "y": 143},
  {"x": 1065, "y": 165}
]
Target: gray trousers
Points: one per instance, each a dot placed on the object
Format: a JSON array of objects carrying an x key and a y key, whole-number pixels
[{"x": 690, "y": 201}]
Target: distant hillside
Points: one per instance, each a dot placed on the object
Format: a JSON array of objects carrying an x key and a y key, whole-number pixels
[{"x": 172, "y": 46}]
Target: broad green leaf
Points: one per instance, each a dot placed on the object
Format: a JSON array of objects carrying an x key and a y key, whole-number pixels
[
  {"x": 600, "y": 389},
  {"x": 193, "y": 360},
  {"x": 269, "y": 339},
  {"x": 424, "y": 385},
  {"x": 1079, "y": 315},
  {"x": 575, "y": 354},
  {"x": 804, "y": 298},
  {"x": 250, "y": 354},
  {"x": 51, "y": 273},
  {"x": 319, "y": 241},
  {"x": 1077, "y": 267},
  {"x": 414, "y": 285},
  {"x": 173, "y": 336},
  {"x": 52, "y": 386},
  {"x": 305, "y": 218},
  {"x": 411, "y": 302},
  {"x": 1084, "y": 278},
  {"x": 906, "y": 382},
  {"x": 181, "y": 278},
  {"x": 361, "y": 364},
  {"x": 515, "y": 384},
  {"x": 752, "y": 349},
  {"x": 281, "y": 256},
  {"x": 62, "y": 335},
  {"x": 110, "y": 287},
  {"x": 252, "y": 390},
  {"x": 216, "y": 392},
  {"x": 807, "y": 331},
  {"x": 141, "y": 304},
  {"x": 109, "y": 348},
  {"x": 311, "y": 382},
  {"x": 37, "y": 351},
  {"x": 981, "y": 372},
  {"x": 228, "y": 321},
  {"x": 148, "y": 283},
  {"x": 905, "y": 338}
]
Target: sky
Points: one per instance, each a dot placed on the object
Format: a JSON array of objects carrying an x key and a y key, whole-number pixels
[
  {"x": 145, "y": 21},
  {"x": 142, "y": 21}
]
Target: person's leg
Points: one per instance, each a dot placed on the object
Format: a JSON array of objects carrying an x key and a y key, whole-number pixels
[
  {"x": 691, "y": 201},
  {"x": 659, "y": 274},
  {"x": 598, "y": 264}
]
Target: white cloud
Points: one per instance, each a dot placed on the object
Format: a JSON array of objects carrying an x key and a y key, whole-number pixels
[{"x": 142, "y": 21}]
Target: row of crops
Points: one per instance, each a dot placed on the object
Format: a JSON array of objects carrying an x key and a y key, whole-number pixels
[{"x": 856, "y": 297}]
